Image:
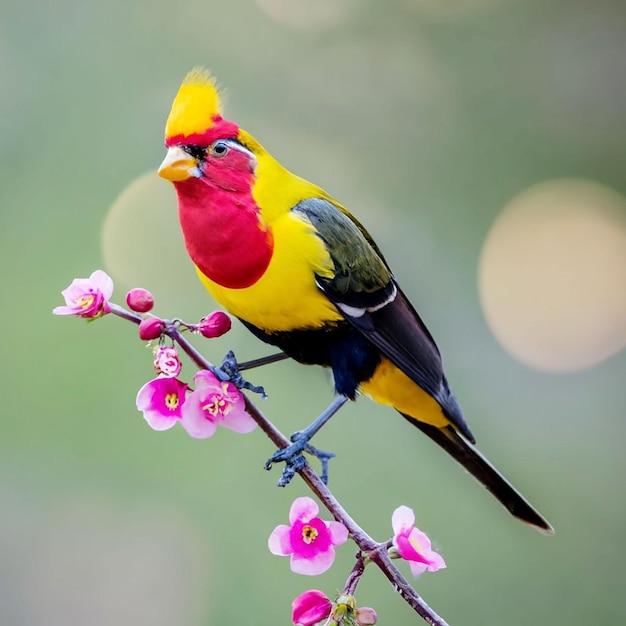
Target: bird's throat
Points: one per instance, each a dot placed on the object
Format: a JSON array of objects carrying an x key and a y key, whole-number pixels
[{"x": 224, "y": 234}]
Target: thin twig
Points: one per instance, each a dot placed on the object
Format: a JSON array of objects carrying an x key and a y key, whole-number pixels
[{"x": 355, "y": 575}]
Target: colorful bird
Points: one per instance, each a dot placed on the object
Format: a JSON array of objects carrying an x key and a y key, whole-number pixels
[{"x": 301, "y": 272}]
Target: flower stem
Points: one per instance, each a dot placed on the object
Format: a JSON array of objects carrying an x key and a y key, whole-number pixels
[{"x": 355, "y": 575}]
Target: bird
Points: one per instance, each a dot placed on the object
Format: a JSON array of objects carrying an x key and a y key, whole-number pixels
[{"x": 303, "y": 274}]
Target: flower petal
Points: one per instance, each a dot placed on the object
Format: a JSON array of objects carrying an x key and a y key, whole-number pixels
[
  {"x": 158, "y": 421},
  {"x": 403, "y": 517},
  {"x": 408, "y": 551},
  {"x": 417, "y": 569},
  {"x": 310, "y": 608},
  {"x": 338, "y": 533},
  {"x": 239, "y": 421},
  {"x": 205, "y": 378},
  {"x": 194, "y": 419},
  {"x": 303, "y": 508},
  {"x": 279, "y": 542},
  {"x": 63, "y": 310},
  {"x": 312, "y": 566},
  {"x": 102, "y": 281},
  {"x": 436, "y": 562}
]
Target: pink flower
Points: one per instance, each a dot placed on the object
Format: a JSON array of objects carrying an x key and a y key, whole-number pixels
[
  {"x": 310, "y": 607},
  {"x": 167, "y": 361},
  {"x": 87, "y": 297},
  {"x": 214, "y": 324},
  {"x": 412, "y": 544},
  {"x": 309, "y": 540},
  {"x": 214, "y": 402},
  {"x": 161, "y": 400}
]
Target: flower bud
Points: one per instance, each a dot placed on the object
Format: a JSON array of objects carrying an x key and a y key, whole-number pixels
[
  {"x": 151, "y": 328},
  {"x": 366, "y": 616},
  {"x": 214, "y": 325},
  {"x": 310, "y": 607},
  {"x": 140, "y": 300},
  {"x": 167, "y": 362}
]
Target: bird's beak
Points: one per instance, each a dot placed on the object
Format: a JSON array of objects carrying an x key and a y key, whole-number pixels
[{"x": 177, "y": 165}]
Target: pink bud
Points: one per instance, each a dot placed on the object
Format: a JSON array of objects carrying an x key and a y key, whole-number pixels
[
  {"x": 366, "y": 616},
  {"x": 140, "y": 300},
  {"x": 167, "y": 362},
  {"x": 151, "y": 328},
  {"x": 214, "y": 324},
  {"x": 310, "y": 607}
]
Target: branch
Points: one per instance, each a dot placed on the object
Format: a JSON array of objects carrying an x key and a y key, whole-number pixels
[{"x": 371, "y": 549}]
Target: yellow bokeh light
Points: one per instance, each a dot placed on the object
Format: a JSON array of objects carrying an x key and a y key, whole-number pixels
[{"x": 552, "y": 275}]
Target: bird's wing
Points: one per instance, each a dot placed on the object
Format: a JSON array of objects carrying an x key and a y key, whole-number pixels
[{"x": 367, "y": 295}]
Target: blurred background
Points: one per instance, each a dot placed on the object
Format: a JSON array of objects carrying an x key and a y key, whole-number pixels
[{"x": 482, "y": 143}]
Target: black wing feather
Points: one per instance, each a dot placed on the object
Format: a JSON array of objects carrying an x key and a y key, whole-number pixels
[{"x": 365, "y": 292}]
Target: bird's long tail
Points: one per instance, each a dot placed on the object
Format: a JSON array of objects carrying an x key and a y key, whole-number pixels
[{"x": 479, "y": 467}]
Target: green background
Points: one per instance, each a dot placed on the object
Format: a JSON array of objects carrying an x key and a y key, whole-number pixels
[{"x": 424, "y": 118}]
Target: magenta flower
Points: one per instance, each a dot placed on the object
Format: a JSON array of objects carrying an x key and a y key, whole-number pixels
[
  {"x": 167, "y": 361},
  {"x": 412, "y": 544},
  {"x": 161, "y": 400},
  {"x": 87, "y": 297},
  {"x": 214, "y": 402},
  {"x": 310, "y": 608},
  {"x": 310, "y": 541}
]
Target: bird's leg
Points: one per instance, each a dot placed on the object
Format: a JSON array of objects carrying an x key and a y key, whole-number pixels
[
  {"x": 229, "y": 370},
  {"x": 264, "y": 360},
  {"x": 292, "y": 455}
]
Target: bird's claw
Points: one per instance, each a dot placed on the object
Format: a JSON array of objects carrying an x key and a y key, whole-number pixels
[
  {"x": 228, "y": 371},
  {"x": 294, "y": 459}
]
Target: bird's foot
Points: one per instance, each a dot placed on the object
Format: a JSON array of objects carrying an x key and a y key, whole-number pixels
[
  {"x": 294, "y": 460},
  {"x": 292, "y": 455},
  {"x": 229, "y": 371}
]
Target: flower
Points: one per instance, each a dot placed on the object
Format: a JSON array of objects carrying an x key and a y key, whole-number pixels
[
  {"x": 161, "y": 400},
  {"x": 309, "y": 540},
  {"x": 151, "y": 328},
  {"x": 214, "y": 325},
  {"x": 214, "y": 402},
  {"x": 412, "y": 544},
  {"x": 310, "y": 607},
  {"x": 167, "y": 361},
  {"x": 87, "y": 297},
  {"x": 140, "y": 300}
]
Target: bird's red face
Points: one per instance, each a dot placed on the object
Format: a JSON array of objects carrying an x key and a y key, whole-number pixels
[
  {"x": 214, "y": 178},
  {"x": 215, "y": 157}
]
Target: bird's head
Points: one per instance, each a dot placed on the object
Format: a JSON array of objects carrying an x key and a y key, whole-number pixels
[{"x": 201, "y": 144}]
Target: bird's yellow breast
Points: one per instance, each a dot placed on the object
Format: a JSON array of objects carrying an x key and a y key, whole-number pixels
[{"x": 286, "y": 297}]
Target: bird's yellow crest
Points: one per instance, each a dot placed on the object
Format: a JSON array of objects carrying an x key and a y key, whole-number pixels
[{"x": 196, "y": 104}]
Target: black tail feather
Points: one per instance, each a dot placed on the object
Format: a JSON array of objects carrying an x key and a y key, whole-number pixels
[{"x": 479, "y": 467}]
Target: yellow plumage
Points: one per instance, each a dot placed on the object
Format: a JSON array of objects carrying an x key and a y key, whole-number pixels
[{"x": 195, "y": 105}]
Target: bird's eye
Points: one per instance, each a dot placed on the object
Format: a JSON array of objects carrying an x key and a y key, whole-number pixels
[{"x": 219, "y": 149}]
